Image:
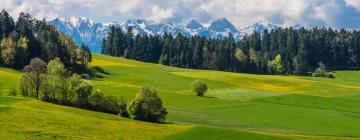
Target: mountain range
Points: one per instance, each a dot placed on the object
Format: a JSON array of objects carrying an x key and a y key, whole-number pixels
[{"x": 86, "y": 31}]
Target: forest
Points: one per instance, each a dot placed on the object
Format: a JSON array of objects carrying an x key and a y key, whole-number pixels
[
  {"x": 280, "y": 51},
  {"x": 29, "y": 38}
]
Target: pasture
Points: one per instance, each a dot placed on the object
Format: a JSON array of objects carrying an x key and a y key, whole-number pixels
[{"x": 236, "y": 106}]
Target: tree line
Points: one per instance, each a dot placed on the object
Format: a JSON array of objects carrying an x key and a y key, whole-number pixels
[
  {"x": 53, "y": 83},
  {"x": 29, "y": 38},
  {"x": 279, "y": 51}
]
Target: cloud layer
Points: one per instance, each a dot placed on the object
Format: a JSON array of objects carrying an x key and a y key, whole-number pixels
[{"x": 329, "y": 13}]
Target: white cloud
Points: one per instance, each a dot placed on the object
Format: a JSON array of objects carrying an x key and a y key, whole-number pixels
[
  {"x": 354, "y": 3},
  {"x": 159, "y": 14},
  {"x": 240, "y": 12}
]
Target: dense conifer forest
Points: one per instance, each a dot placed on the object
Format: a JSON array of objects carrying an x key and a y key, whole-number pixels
[
  {"x": 29, "y": 38},
  {"x": 279, "y": 51}
]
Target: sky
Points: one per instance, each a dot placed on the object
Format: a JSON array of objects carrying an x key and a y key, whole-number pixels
[{"x": 242, "y": 13}]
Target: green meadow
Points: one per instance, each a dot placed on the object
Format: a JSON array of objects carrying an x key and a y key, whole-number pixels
[{"x": 236, "y": 106}]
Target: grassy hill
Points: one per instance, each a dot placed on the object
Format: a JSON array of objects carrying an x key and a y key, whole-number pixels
[{"x": 237, "y": 106}]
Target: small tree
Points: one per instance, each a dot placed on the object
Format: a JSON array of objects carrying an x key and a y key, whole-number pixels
[
  {"x": 199, "y": 87},
  {"x": 96, "y": 100},
  {"x": 147, "y": 106},
  {"x": 320, "y": 71},
  {"x": 24, "y": 86},
  {"x": 240, "y": 56},
  {"x": 74, "y": 81},
  {"x": 83, "y": 91},
  {"x": 8, "y": 52},
  {"x": 57, "y": 76},
  {"x": 34, "y": 72},
  {"x": 108, "y": 104},
  {"x": 276, "y": 65}
]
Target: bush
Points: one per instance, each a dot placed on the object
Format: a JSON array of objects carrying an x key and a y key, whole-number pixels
[
  {"x": 96, "y": 101},
  {"x": 322, "y": 72},
  {"x": 108, "y": 104},
  {"x": 115, "y": 105},
  {"x": 83, "y": 91},
  {"x": 319, "y": 73},
  {"x": 12, "y": 92},
  {"x": 147, "y": 106},
  {"x": 199, "y": 87},
  {"x": 330, "y": 75}
]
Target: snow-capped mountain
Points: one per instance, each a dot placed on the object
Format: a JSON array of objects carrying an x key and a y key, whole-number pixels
[
  {"x": 86, "y": 31},
  {"x": 194, "y": 25},
  {"x": 83, "y": 31},
  {"x": 258, "y": 27}
]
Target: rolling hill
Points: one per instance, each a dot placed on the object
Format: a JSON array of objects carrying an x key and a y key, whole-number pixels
[{"x": 237, "y": 106}]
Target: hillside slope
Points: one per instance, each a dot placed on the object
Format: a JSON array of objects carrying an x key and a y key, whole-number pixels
[{"x": 269, "y": 107}]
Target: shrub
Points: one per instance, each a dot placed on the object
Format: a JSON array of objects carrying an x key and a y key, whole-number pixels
[
  {"x": 108, "y": 104},
  {"x": 96, "y": 101},
  {"x": 199, "y": 87},
  {"x": 83, "y": 91},
  {"x": 12, "y": 92},
  {"x": 330, "y": 75},
  {"x": 147, "y": 106},
  {"x": 115, "y": 105},
  {"x": 319, "y": 73},
  {"x": 322, "y": 72},
  {"x": 1, "y": 89}
]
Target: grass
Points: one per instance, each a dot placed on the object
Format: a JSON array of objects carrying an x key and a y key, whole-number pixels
[
  {"x": 38, "y": 120},
  {"x": 223, "y": 134},
  {"x": 237, "y": 106}
]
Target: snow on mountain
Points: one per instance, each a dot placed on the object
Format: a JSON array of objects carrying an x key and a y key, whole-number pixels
[
  {"x": 296, "y": 26},
  {"x": 194, "y": 25},
  {"x": 222, "y": 25},
  {"x": 258, "y": 27},
  {"x": 83, "y": 31},
  {"x": 86, "y": 31}
]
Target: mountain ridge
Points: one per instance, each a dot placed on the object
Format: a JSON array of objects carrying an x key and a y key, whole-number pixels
[{"x": 85, "y": 31}]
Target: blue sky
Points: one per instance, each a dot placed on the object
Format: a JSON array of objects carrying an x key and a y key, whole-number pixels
[{"x": 329, "y": 13}]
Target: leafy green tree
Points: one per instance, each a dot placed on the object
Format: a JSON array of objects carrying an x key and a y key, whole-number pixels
[
  {"x": 21, "y": 48},
  {"x": 199, "y": 87},
  {"x": 59, "y": 80},
  {"x": 276, "y": 65},
  {"x": 25, "y": 86},
  {"x": 96, "y": 100},
  {"x": 115, "y": 105},
  {"x": 8, "y": 51},
  {"x": 83, "y": 91},
  {"x": 75, "y": 81},
  {"x": 241, "y": 57},
  {"x": 34, "y": 72},
  {"x": 71, "y": 47},
  {"x": 147, "y": 106}
]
